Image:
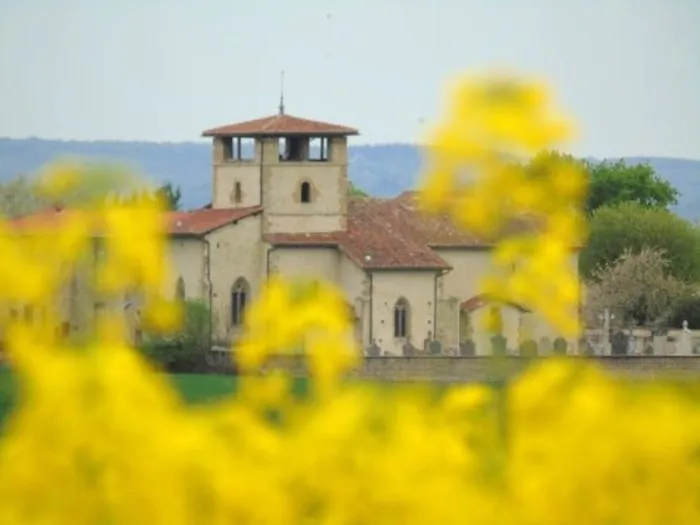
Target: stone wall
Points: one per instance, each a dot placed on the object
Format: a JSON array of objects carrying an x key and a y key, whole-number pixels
[{"x": 487, "y": 369}]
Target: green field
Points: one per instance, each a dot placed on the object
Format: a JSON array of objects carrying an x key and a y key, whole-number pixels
[
  {"x": 194, "y": 388},
  {"x": 202, "y": 388}
]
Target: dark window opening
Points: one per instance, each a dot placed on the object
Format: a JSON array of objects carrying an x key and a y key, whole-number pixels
[
  {"x": 305, "y": 191},
  {"x": 237, "y": 193},
  {"x": 238, "y": 149},
  {"x": 401, "y": 318},
  {"x": 291, "y": 149},
  {"x": 319, "y": 149},
  {"x": 239, "y": 299}
]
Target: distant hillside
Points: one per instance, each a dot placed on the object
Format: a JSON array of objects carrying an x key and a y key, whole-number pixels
[{"x": 381, "y": 170}]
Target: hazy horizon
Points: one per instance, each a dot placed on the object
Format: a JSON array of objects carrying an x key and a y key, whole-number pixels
[
  {"x": 354, "y": 141},
  {"x": 163, "y": 72}
]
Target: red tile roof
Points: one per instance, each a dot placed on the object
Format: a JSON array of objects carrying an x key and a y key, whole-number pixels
[
  {"x": 439, "y": 231},
  {"x": 393, "y": 233},
  {"x": 371, "y": 241},
  {"x": 197, "y": 222},
  {"x": 43, "y": 220},
  {"x": 381, "y": 234},
  {"x": 280, "y": 124}
]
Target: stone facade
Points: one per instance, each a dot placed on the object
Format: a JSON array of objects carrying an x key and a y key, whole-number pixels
[
  {"x": 280, "y": 206},
  {"x": 292, "y": 216}
]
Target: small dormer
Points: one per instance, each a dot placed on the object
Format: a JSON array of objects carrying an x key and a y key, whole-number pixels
[{"x": 295, "y": 167}]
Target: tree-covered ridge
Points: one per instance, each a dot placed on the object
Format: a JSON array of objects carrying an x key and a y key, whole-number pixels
[{"x": 381, "y": 170}]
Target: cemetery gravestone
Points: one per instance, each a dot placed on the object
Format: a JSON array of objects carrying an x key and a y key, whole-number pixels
[
  {"x": 499, "y": 345},
  {"x": 467, "y": 348},
  {"x": 619, "y": 343},
  {"x": 560, "y": 346},
  {"x": 373, "y": 350},
  {"x": 528, "y": 348},
  {"x": 435, "y": 347}
]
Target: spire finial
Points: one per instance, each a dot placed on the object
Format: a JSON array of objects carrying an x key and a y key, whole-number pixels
[{"x": 282, "y": 93}]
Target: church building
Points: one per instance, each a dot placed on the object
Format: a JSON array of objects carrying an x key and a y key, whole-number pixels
[{"x": 281, "y": 204}]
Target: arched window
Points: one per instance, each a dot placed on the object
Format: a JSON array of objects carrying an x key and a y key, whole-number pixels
[
  {"x": 180, "y": 289},
  {"x": 305, "y": 192},
  {"x": 401, "y": 316},
  {"x": 239, "y": 300},
  {"x": 237, "y": 193}
]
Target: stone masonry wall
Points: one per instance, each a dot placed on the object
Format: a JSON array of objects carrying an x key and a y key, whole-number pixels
[{"x": 486, "y": 369}]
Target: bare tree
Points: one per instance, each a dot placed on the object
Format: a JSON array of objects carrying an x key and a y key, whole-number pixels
[
  {"x": 96, "y": 182},
  {"x": 637, "y": 288}
]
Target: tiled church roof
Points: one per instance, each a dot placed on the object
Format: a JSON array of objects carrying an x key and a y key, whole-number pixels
[
  {"x": 389, "y": 234},
  {"x": 373, "y": 239},
  {"x": 382, "y": 234},
  {"x": 277, "y": 125}
]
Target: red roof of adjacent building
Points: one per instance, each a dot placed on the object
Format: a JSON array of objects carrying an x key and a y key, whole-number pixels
[
  {"x": 382, "y": 234},
  {"x": 43, "y": 220},
  {"x": 197, "y": 222},
  {"x": 200, "y": 222},
  {"x": 277, "y": 125}
]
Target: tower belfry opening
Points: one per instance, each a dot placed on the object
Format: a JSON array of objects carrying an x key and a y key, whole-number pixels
[
  {"x": 291, "y": 148},
  {"x": 264, "y": 162}
]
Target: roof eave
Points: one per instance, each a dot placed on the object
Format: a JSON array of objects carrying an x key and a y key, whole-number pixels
[
  {"x": 427, "y": 268},
  {"x": 252, "y": 213},
  {"x": 278, "y": 134},
  {"x": 299, "y": 244},
  {"x": 186, "y": 234},
  {"x": 460, "y": 246}
]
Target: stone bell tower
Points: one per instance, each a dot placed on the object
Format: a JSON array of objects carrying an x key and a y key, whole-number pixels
[{"x": 296, "y": 168}]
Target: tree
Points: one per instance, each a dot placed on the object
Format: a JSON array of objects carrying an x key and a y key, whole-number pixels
[
  {"x": 637, "y": 288},
  {"x": 686, "y": 309},
  {"x": 19, "y": 197},
  {"x": 615, "y": 182},
  {"x": 354, "y": 191},
  {"x": 630, "y": 226},
  {"x": 612, "y": 182},
  {"x": 93, "y": 184},
  {"x": 542, "y": 163},
  {"x": 184, "y": 349},
  {"x": 171, "y": 195}
]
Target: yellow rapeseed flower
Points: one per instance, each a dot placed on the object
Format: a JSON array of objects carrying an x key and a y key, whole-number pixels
[
  {"x": 489, "y": 124},
  {"x": 99, "y": 436}
]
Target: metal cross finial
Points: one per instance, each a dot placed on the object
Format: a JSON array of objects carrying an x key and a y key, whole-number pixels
[{"x": 282, "y": 93}]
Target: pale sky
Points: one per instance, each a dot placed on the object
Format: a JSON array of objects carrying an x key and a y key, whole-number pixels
[{"x": 159, "y": 70}]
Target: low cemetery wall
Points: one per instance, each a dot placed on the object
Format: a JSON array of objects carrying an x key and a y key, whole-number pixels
[{"x": 488, "y": 369}]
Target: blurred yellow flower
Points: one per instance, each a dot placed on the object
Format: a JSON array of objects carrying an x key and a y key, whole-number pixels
[
  {"x": 99, "y": 436},
  {"x": 489, "y": 124}
]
